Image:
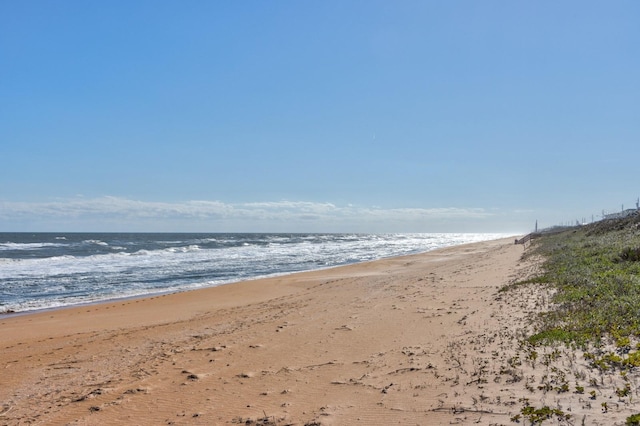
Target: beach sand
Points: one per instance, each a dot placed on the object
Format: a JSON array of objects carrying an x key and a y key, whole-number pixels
[{"x": 425, "y": 339}]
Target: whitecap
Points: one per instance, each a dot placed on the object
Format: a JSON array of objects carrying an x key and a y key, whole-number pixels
[{"x": 96, "y": 242}]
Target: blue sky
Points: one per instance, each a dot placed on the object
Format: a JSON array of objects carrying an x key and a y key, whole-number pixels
[{"x": 355, "y": 116}]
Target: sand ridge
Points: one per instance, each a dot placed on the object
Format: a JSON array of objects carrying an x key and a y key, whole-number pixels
[{"x": 423, "y": 339}]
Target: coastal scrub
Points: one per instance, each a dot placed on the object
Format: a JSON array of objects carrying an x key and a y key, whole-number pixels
[{"x": 595, "y": 270}]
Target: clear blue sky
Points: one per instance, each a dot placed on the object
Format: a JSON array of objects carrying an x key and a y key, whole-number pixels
[{"x": 362, "y": 116}]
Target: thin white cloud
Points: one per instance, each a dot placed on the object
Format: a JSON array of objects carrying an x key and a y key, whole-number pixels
[{"x": 219, "y": 215}]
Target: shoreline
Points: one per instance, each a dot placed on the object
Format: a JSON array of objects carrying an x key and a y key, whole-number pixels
[
  {"x": 404, "y": 339},
  {"x": 12, "y": 313}
]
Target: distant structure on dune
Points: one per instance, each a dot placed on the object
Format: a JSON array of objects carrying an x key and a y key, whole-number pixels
[{"x": 622, "y": 214}]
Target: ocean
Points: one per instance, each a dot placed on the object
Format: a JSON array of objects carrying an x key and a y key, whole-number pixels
[{"x": 50, "y": 270}]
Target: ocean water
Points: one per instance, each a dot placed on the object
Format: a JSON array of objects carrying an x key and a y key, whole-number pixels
[{"x": 48, "y": 270}]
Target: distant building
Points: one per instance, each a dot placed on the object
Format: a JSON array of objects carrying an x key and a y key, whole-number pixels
[{"x": 622, "y": 214}]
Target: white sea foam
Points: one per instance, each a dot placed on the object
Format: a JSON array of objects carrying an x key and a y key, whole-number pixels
[
  {"x": 27, "y": 246},
  {"x": 96, "y": 242}
]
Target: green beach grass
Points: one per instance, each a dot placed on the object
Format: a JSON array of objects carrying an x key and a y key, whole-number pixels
[{"x": 595, "y": 270}]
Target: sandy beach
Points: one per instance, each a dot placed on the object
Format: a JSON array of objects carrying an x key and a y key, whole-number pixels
[{"x": 423, "y": 339}]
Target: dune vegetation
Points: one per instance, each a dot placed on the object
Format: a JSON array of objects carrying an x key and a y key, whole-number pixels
[
  {"x": 595, "y": 270},
  {"x": 592, "y": 273}
]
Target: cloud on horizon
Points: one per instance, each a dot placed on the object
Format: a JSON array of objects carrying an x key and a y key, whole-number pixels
[{"x": 110, "y": 213}]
